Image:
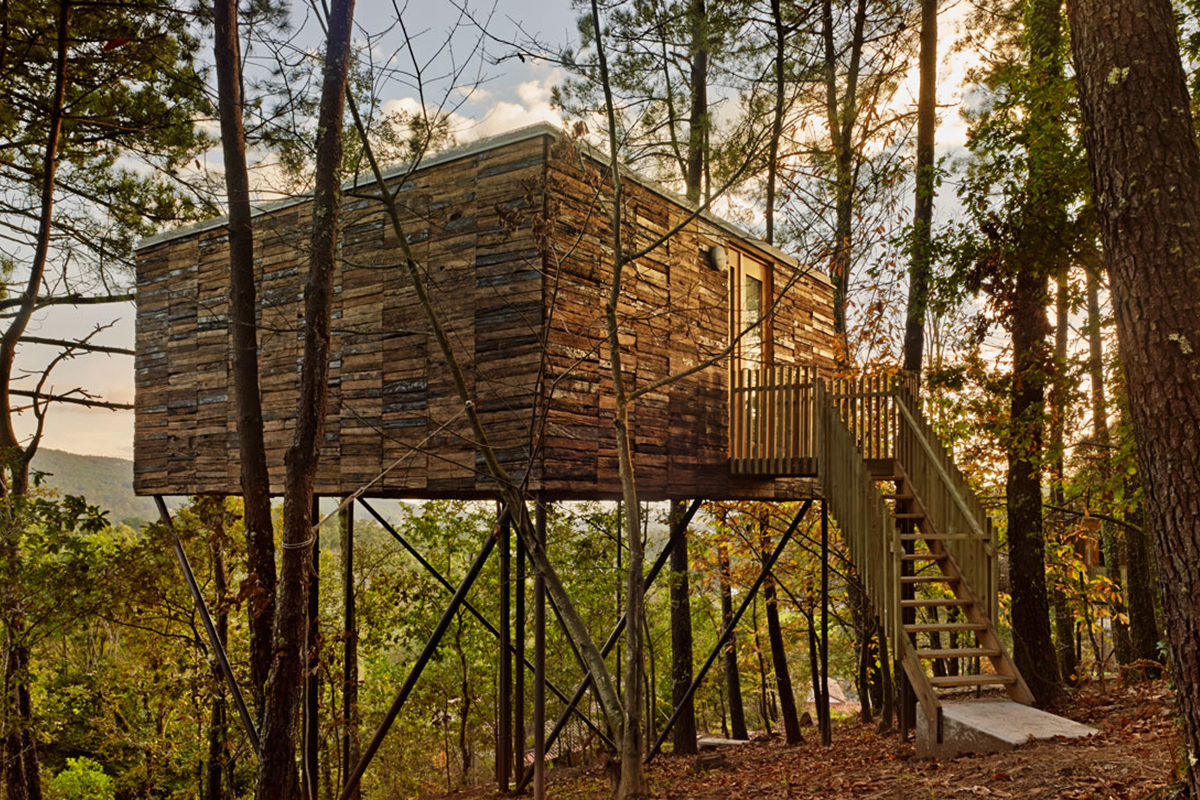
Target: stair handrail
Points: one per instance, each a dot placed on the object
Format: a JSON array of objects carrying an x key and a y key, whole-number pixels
[
  {"x": 871, "y": 536},
  {"x": 978, "y": 566}
]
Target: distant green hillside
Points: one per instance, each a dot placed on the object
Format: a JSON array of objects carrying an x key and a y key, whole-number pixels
[{"x": 105, "y": 482}]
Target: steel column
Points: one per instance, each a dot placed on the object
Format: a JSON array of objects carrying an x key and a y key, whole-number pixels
[
  {"x": 214, "y": 641},
  {"x": 768, "y": 565},
  {"x": 427, "y": 652}
]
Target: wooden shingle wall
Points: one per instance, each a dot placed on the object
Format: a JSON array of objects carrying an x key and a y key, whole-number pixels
[
  {"x": 516, "y": 246},
  {"x": 674, "y": 313},
  {"x": 469, "y": 221}
]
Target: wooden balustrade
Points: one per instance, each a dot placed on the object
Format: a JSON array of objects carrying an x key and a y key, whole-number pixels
[
  {"x": 948, "y": 501},
  {"x": 771, "y": 424},
  {"x": 771, "y": 430},
  {"x": 868, "y": 529}
]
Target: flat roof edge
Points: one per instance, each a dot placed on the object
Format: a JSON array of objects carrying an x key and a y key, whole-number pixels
[{"x": 483, "y": 145}]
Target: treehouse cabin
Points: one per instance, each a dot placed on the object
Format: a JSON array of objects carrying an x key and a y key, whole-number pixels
[{"x": 514, "y": 237}]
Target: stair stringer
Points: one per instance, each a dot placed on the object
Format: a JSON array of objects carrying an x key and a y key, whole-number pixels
[
  {"x": 964, "y": 591},
  {"x": 871, "y": 537}
]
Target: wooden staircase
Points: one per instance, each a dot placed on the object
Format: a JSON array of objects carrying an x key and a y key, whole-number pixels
[
  {"x": 931, "y": 583},
  {"x": 921, "y": 543}
]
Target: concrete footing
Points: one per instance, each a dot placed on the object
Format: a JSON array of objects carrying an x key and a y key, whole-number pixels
[{"x": 990, "y": 726}]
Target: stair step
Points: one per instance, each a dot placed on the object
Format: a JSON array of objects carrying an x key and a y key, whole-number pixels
[
  {"x": 933, "y": 537},
  {"x": 950, "y": 681},
  {"x": 924, "y": 557},
  {"x": 959, "y": 652},
  {"x": 928, "y": 579},
  {"x": 908, "y": 515},
  {"x": 888, "y": 496},
  {"x": 945, "y": 627},
  {"x": 932, "y": 602}
]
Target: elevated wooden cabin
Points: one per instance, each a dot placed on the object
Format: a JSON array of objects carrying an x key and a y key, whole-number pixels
[{"x": 515, "y": 236}]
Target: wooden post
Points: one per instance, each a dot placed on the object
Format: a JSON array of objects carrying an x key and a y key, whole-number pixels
[
  {"x": 350, "y": 649},
  {"x": 312, "y": 688},
  {"x": 539, "y": 662},
  {"x": 504, "y": 760},
  {"x": 518, "y": 739}
]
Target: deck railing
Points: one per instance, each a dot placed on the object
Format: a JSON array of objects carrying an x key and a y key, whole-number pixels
[
  {"x": 771, "y": 428},
  {"x": 869, "y": 532}
]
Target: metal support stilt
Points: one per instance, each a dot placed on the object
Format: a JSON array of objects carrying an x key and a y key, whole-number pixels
[
  {"x": 677, "y": 530},
  {"x": 504, "y": 730},
  {"x": 426, "y": 653},
  {"x": 539, "y": 661},
  {"x": 214, "y": 641},
  {"x": 310, "y": 762},
  {"x": 768, "y": 565},
  {"x": 826, "y": 722},
  {"x": 473, "y": 611}
]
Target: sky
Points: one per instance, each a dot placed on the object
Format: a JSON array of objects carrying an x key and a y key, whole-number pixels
[{"x": 509, "y": 95}]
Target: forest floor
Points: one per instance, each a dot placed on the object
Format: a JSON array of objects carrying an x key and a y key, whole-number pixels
[{"x": 1132, "y": 756}]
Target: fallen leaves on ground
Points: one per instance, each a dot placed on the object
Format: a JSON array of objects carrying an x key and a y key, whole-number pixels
[{"x": 1132, "y": 756}]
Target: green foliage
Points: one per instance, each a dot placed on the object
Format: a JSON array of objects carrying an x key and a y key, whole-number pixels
[
  {"x": 133, "y": 93},
  {"x": 83, "y": 779}
]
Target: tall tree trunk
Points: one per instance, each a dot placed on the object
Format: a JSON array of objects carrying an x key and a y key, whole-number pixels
[
  {"x": 780, "y": 64},
  {"x": 1033, "y": 646},
  {"x": 783, "y": 678},
  {"x": 842, "y": 116},
  {"x": 1110, "y": 536},
  {"x": 697, "y": 152},
  {"x": 21, "y": 767},
  {"x": 277, "y": 763},
  {"x": 1064, "y": 625},
  {"x": 1145, "y": 165},
  {"x": 243, "y": 329},
  {"x": 681, "y": 640},
  {"x": 1141, "y": 588},
  {"x": 922, "y": 246},
  {"x": 733, "y": 680}
]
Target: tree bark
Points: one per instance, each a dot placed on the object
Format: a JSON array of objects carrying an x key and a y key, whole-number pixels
[
  {"x": 1145, "y": 167},
  {"x": 783, "y": 677},
  {"x": 1064, "y": 625},
  {"x": 277, "y": 764},
  {"x": 21, "y": 767},
  {"x": 681, "y": 641},
  {"x": 698, "y": 120},
  {"x": 1033, "y": 646},
  {"x": 733, "y": 680},
  {"x": 842, "y": 114},
  {"x": 780, "y": 64},
  {"x": 243, "y": 330},
  {"x": 922, "y": 243},
  {"x": 1110, "y": 535}
]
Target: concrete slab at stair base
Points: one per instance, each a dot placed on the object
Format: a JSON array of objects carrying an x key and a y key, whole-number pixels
[{"x": 990, "y": 726}]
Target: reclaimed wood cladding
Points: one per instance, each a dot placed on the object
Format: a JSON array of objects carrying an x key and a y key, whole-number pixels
[
  {"x": 516, "y": 246},
  {"x": 675, "y": 314}
]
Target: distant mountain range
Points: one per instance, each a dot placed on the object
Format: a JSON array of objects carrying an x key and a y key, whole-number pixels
[
  {"x": 103, "y": 481},
  {"x": 108, "y": 482}
]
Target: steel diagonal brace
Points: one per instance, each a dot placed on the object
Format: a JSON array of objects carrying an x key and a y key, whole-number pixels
[
  {"x": 214, "y": 640},
  {"x": 677, "y": 530},
  {"x": 432, "y": 570},
  {"x": 431, "y": 646},
  {"x": 768, "y": 565}
]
